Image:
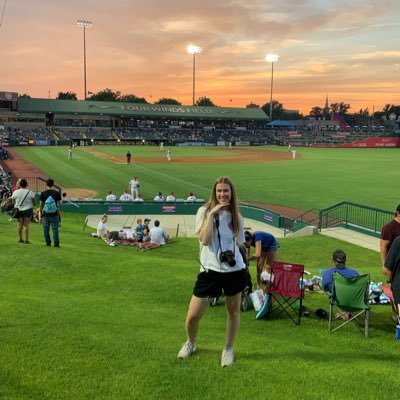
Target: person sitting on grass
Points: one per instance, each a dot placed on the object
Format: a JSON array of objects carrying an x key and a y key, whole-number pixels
[
  {"x": 102, "y": 231},
  {"x": 158, "y": 234}
]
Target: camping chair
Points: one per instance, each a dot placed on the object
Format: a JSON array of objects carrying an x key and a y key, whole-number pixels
[
  {"x": 286, "y": 288},
  {"x": 350, "y": 296}
]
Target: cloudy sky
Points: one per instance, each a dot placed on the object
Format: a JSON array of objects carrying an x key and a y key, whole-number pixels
[{"x": 348, "y": 50}]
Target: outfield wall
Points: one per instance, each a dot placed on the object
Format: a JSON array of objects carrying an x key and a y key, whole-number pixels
[
  {"x": 177, "y": 218},
  {"x": 374, "y": 142}
]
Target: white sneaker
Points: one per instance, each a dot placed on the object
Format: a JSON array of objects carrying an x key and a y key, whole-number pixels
[
  {"x": 187, "y": 349},
  {"x": 227, "y": 357}
]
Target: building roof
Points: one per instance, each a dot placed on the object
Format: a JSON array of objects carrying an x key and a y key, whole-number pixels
[
  {"x": 282, "y": 123},
  {"x": 82, "y": 107}
]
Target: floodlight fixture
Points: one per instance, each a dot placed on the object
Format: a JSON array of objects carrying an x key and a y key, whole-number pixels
[
  {"x": 82, "y": 23},
  {"x": 272, "y": 58}
]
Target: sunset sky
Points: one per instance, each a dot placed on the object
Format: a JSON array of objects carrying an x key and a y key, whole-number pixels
[{"x": 348, "y": 50}]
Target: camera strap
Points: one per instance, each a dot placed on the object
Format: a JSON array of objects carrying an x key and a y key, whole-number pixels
[{"x": 219, "y": 235}]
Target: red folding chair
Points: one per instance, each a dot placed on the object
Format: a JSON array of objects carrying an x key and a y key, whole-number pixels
[{"x": 286, "y": 288}]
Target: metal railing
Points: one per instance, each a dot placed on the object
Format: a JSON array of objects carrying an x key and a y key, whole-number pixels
[
  {"x": 355, "y": 216},
  {"x": 308, "y": 218},
  {"x": 35, "y": 183},
  {"x": 349, "y": 215}
]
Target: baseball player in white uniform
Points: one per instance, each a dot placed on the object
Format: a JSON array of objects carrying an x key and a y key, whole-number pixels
[
  {"x": 134, "y": 185},
  {"x": 126, "y": 196}
]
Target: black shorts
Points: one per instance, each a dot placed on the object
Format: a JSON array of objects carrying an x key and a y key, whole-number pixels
[
  {"x": 211, "y": 283},
  {"x": 25, "y": 213}
]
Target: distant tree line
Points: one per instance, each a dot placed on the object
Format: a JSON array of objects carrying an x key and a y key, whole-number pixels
[{"x": 109, "y": 95}]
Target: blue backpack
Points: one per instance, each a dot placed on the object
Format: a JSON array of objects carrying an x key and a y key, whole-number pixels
[{"x": 50, "y": 206}]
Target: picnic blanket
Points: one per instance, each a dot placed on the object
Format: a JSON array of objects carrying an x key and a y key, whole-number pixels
[{"x": 135, "y": 243}]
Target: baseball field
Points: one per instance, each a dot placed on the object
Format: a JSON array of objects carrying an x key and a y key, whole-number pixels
[
  {"x": 317, "y": 178},
  {"x": 91, "y": 321}
]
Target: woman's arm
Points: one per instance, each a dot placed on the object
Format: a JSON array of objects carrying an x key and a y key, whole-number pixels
[
  {"x": 206, "y": 231},
  {"x": 257, "y": 252},
  {"x": 34, "y": 201}
]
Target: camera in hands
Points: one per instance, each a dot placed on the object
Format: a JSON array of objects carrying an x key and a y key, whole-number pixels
[{"x": 228, "y": 257}]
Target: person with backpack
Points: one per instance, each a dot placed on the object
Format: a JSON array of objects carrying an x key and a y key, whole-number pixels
[{"x": 48, "y": 212}]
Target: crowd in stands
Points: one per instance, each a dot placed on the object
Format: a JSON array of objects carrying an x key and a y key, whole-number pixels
[
  {"x": 311, "y": 135},
  {"x": 4, "y": 154},
  {"x": 300, "y": 135}
]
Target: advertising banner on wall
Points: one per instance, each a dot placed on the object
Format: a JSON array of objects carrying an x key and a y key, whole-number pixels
[{"x": 374, "y": 142}]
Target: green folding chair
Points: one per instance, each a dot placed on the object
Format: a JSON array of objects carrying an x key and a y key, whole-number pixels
[{"x": 350, "y": 296}]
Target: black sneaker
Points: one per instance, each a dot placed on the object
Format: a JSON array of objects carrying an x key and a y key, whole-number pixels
[{"x": 56, "y": 245}]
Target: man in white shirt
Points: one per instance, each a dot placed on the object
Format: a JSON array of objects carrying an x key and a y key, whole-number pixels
[
  {"x": 158, "y": 234},
  {"x": 171, "y": 197},
  {"x": 134, "y": 185},
  {"x": 111, "y": 196},
  {"x": 126, "y": 196},
  {"x": 139, "y": 198},
  {"x": 191, "y": 197},
  {"x": 159, "y": 197}
]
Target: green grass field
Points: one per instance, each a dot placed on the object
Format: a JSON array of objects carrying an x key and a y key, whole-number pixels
[
  {"x": 319, "y": 178},
  {"x": 90, "y": 321}
]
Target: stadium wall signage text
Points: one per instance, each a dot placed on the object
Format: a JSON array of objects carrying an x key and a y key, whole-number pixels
[{"x": 166, "y": 109}]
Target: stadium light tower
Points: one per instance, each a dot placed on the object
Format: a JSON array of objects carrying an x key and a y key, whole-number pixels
[
  {"x": 272, "y": 58},
  {"x": 193, "y": 49},
  {"x": 82, "y": 23}
]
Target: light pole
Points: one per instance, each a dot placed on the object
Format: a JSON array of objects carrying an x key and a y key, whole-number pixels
[
  {"x": 84, "y": 24},
  {"x": 272, "y": 58},
  {"x": 193, "y": 49}
]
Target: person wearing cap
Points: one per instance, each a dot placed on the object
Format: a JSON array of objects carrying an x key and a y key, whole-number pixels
[
  {"x": 158, "y": 234},
  {"x": 339, "y": 266},
  {"x": 170, "y": 197},
  {"x": 159, "y": 197},
  {"x": 134, "y": 185},
  {"x": 191, "y": 197},
  {"x": 111, "y": 196},
  {"x": 389, "y": 232},
  {"x": 146, "y": 230}
]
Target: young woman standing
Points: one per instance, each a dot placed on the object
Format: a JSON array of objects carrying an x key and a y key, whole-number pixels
[{"x": 219, "y": 227}]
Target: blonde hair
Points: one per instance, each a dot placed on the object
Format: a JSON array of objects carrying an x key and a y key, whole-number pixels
[{"x": 233, "y": 207}]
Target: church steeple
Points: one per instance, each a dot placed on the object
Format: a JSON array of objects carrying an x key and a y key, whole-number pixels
[{"x": 326, "y": 108}]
